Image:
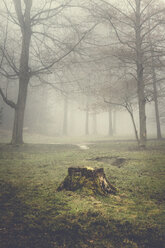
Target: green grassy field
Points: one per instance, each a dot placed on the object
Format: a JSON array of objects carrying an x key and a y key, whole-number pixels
[{"x": 34, "y": 214}]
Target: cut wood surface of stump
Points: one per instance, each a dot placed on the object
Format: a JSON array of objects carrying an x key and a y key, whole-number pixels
[{"x": 92, "y": 181}]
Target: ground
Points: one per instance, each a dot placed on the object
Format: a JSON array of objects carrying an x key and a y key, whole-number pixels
[{"x": 34, "y": 214}]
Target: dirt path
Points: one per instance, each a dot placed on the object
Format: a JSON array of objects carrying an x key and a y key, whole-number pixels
[{"x": 83, "y": 146}]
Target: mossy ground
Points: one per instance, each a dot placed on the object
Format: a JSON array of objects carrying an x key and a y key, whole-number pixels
[{"x": 34, "y": 214}]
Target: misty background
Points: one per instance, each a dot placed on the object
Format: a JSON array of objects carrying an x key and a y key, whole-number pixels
[{"x": 94, "y": 78}]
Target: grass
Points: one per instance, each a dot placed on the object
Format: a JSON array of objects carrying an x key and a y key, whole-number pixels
[{"x": 34, "y": 214}]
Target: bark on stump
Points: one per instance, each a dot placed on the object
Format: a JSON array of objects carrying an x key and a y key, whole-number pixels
[{"x": 89, "y": 180}]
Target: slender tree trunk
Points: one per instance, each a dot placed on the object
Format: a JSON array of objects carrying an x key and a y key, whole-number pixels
[
  {"x": 158, "y": 127},
  {"x": 142, "y": 113},
  {"x": 72, "y": 126},
  {"x": 1, "y": 115},
  {"x": 114, "y": 122},
  {"x": 134, "y": 126},
  {"x": 65, "y": 120},
  {"x": 24, "y": 72},
  {"x": 140, "y": 80},
  {"x": 94, "y": 123},
  {"x": 110, "y": 128},
  {"x": 154, "y": 80},
  {"x": 17, "y": 135},
  {"x": 87, "y": 122},
  {"x": 87, "y": 116}
]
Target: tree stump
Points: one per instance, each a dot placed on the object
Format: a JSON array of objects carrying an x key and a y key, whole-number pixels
[{"x": 89, "y": 180}]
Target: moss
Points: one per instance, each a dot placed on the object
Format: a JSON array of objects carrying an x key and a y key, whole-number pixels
[{"x": 89, "y": 180}]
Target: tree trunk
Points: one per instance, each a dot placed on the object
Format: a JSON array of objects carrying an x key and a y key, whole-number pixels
[
  {"x": 154, "y": 81},
  {"x": 140, "y": 81},
  {"x": 158, "y": 127},
  {"x": 159, "y": 135},
  {"x": 24, "y": 70},
  {"x": 1, "y": 115},
  {"x": 89, "y": 180},
  {"x": 94, "y": 123},
  {"x": 110, "y": 129},
  {"x": 65, "y": 120},
  {"x": 17, "y": 135},
  {"x": 87, "y": 121},
  {"x": 142, "y": 115},
  {"x": 134, "y": 126},
  {"x": 114, "y": 122}
]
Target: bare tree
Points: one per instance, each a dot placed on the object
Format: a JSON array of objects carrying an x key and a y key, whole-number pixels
[
  {"x": 41, "y": 48},
  {"x": 123, "y": 96},
  {"x": 128, "y": 21},
  {"x": 156, "y": 42}
]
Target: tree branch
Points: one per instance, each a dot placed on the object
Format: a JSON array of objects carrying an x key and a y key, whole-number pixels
[
  {"x": 43, "y": 81},
  {"x": 7, "y": 101},
  {"x": 10, "y": 14},
  {"x": 18, "y": 9},
  {"x": 65, "y": 55}
]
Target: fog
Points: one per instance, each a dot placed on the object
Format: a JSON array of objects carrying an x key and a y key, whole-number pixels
[
  {"x": 91, "y": 68},
  {"x": 45, "y": 116}
]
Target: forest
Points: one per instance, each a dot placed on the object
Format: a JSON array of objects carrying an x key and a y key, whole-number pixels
[{"x": 82, "y": 123}]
